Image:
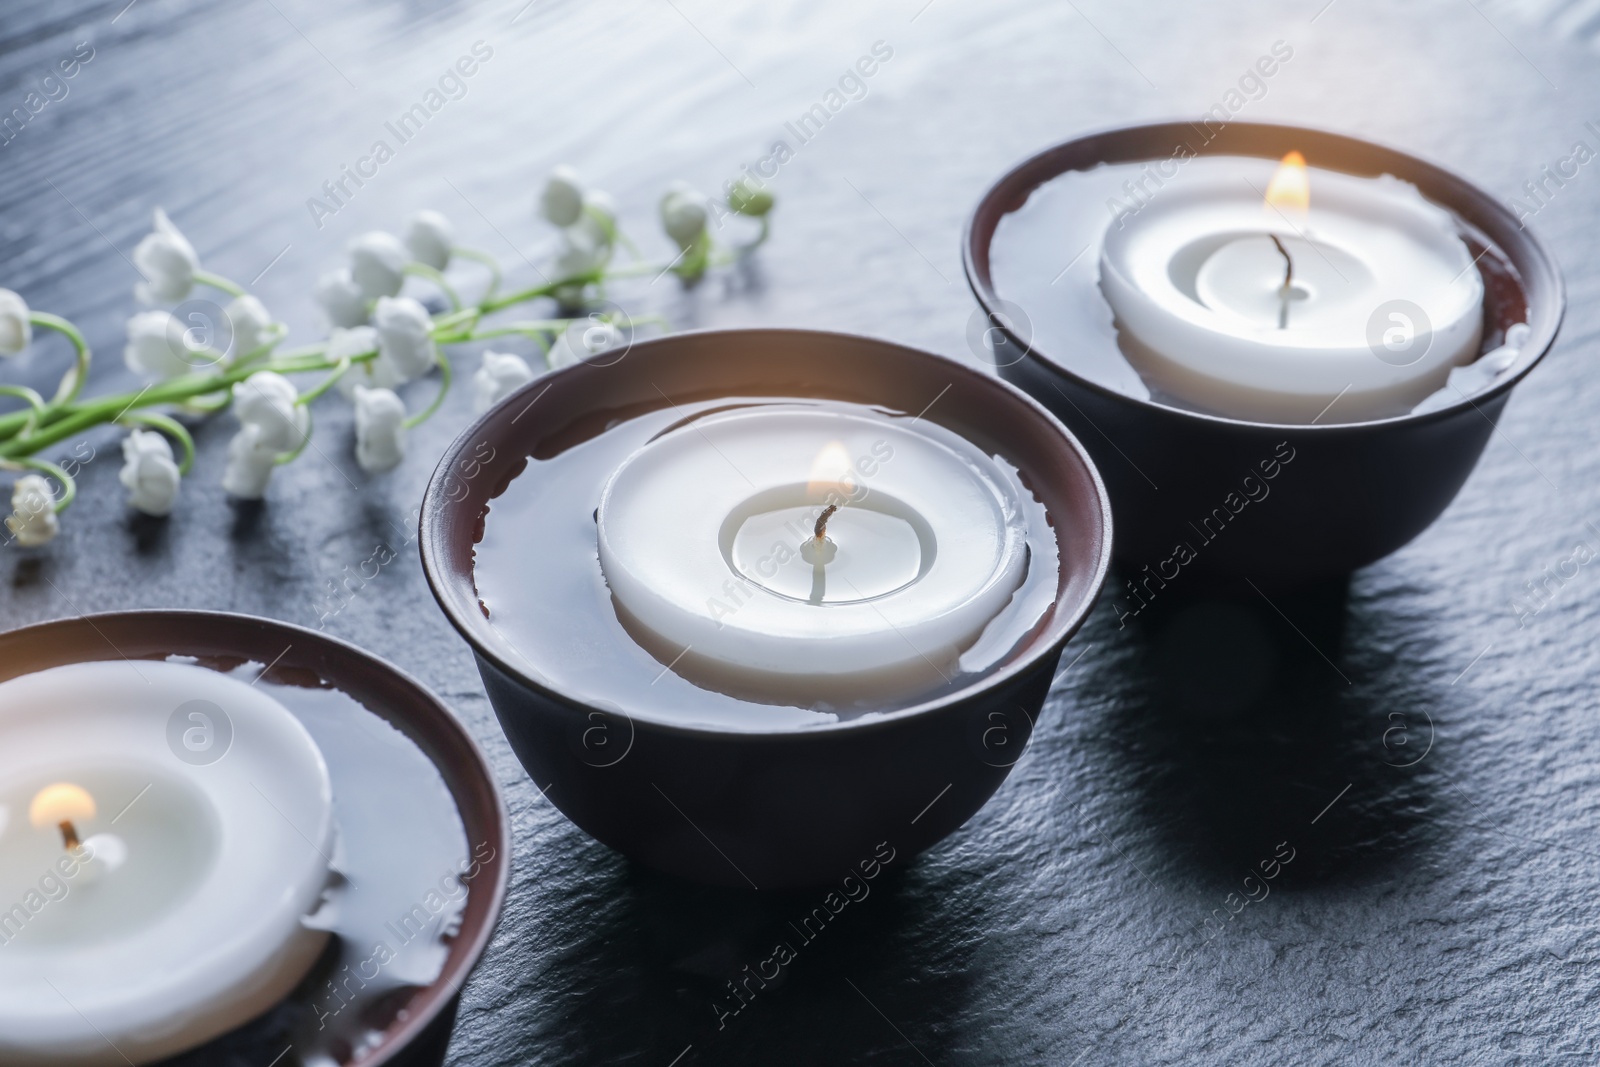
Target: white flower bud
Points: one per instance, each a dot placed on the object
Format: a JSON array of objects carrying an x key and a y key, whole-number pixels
[
  {"x": 561, "y": 202},
  {"x": 156, "y": 346},
  {"x": 341, "y": 298},
  {"x": 250, "y": 322},
  {"x": 167, "y": 261},
  {"x": 583, "y": 340},
  {"x": 250, "y": 465},
  {"x": 500, "y": 375},
  {"x": 149, "y": 472},
  {"x": 266, "y": 400},
  {"x": 380, "y": 429},
  {"x": 586, "y": 246},
  {"x": 683, "y": 215},
  {"x": 376, "y": 373},
  {"x": 404, "y": 337},
  {"x": 749, "y": 196},
  {"x": 377, "y": 263},
  {"x": 430, "y": 237},
  {"x": 33, "y": 511},
  {"x": 16, "y": 332}
]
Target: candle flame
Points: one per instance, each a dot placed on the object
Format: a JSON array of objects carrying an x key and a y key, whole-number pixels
[
  {"x": 1290, "y": 188},
  {"x": 59, "y": 803},
  {"x": 831, "y": 472}
]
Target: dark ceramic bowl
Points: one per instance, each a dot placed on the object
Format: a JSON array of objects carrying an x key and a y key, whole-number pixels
[
  {"x": 770, "y": 809},
  {"x": 1355, "y": 491},
  {"x": 420, "y": 1031}
]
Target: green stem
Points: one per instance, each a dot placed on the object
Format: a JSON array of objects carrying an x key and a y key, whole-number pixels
[
  {"x": 547, "y": 289},
  {"x": 423, "y": 416},
  {"x": 294, "y": 453},
  {"x": 169, "y": 426},
  {"x": 302, "y": 351},
  {"x": 171, "y": 391},
  {"x": 531, "y": 328},
  {"x": 639, "y": 270},
  {"x": 19, "y": 421},
  {"x": 422, "y": 270},
  {"x": 445, "y": 323},
  {"x": 488, "y": 261},
  {"x": 200, "y": 406},
  {"x": 327, "y": 383},
  {"x": 69, "y": 487},
  {"x": 72, "y": 381},
  {"x": 217, "y": 281},
  {"x": 695, "y": 260},
  {"x": 35, "y": 403}
]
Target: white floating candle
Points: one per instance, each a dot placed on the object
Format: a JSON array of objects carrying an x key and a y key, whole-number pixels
[
  {"x": 714, "y": 538},
  {"x": 207, "y": 821},
  {"x": 1274, "y": 311}
]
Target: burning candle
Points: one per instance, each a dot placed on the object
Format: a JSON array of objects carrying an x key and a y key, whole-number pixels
[
  {"x": 66, "y": 806},
  {"x": 1236, "y": 295},
  {"x": 785, "y": 549},
  {"x": 165, "y": 831}
]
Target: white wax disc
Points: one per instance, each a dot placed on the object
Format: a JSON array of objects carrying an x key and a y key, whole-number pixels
[
  {"x": 1383, "y": 297},
  {"x": 703, "y": 539}
]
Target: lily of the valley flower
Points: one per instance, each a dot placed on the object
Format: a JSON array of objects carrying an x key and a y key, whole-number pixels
[
  {"x": 250, "y": 322},
  {"x": 500, "y": 375},
  {"x": 404, "y": 337},
  {"x": 33, "y": 511},
  {"x": 377, "y": 264},
  {"x": 250, "y": 465},
  {"x": 380, "y": 429},
  {"x": 683, "y": 215},
  {"x": 168, "y": 262},
  {"x": 588, "y": 224},
  {"x": 429, "y": 238},
  {"x": 149, "y": 472},
  {"x": 341, "y": 298},
  {"x": 583, "y": 340},
  {"x": 561, "y": 201},
  {"x": 586, "y": 246},
  {"x": 747, "y": 198},
  {"x": 376, "y": 373},
  {"x": 156, "y": 346},
  {"x": 16, "y": 331},
  {"x": 266, "y": 400}
]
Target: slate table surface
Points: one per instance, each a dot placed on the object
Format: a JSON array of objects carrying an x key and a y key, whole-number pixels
[{"x": 1420, "y": 738}]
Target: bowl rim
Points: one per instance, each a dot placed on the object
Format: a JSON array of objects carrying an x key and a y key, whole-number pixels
[
  {"x": 982, "y": 285},
  {"x": 431, "y": 1001},
  {"x": 432, "y": 521}
]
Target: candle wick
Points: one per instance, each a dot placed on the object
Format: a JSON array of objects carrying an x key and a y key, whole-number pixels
[
  {"x": 816, "y": 551},
  {"x": 1288, "y": 263},
  {"x": 69, "y": 835},
  {"x": 820, "y": 531},
  {"x": 1287, "y": 288}
]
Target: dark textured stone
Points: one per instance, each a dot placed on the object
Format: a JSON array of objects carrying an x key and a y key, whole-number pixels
[{"x": 1435, "y": 913}]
